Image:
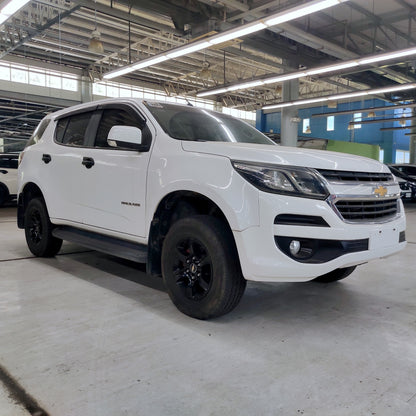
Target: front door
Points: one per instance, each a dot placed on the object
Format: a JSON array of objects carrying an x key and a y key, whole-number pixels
[{"x": 114, "y": 185}]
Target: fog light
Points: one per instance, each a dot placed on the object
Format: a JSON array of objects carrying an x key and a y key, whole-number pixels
[{"x": 294, "y": 247}]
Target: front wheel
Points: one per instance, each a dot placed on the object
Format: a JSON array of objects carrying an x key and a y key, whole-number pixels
[
  {"x": 38, "y": 230},
  {"x": 335, "y": 275},
  {"x": 200, "y": 267}
]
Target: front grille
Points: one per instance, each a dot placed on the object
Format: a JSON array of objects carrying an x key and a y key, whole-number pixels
[
  {"x": 367, "y": 210},
  {"x": 347, "y": 176}
]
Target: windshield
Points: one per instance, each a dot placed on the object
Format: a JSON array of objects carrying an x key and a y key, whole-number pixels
[{"x": 196, "y": 124}]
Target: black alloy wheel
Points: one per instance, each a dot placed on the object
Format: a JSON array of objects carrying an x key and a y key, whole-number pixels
[
  {"x": 38, "y": 230},
  {"x": 201, "y": 268}
]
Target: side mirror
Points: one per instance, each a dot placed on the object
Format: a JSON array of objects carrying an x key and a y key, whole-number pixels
[{"x": 127, "y": 137}]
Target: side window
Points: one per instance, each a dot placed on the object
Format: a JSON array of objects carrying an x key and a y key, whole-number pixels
[
  {"x": 8, "y": 162},
  {"x": 114, "y": 117},
  {"x": 71, "y": 130}
]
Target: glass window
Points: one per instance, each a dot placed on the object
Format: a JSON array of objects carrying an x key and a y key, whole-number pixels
[
  {"x": 35, "y": 78},
  {"x": 113, "y": 91},
  {"x": 99, "y": 89},
  {"x": 5, "y": 73},
  {"x": 71, "y": 130},
  {"x": 402, "y": 156},
  {"x": 306, "y": 125},
  {"x": 358, "y": 117},
  {"x": 330, "y": 122},
  {"x": 19, "y": 75},
  {"x": 195, "y": 124},
  {"x": 9, "y": 162},
  {"x": 69, "y": 84},
  {"x": 54, "y": 81},
  {"x": 381, "y": 155},
  {"x": 114, "y": 117}
]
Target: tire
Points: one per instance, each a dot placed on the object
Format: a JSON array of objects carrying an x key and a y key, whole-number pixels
[
  {"x": 200, "y": 267},
  {"x": 335, "y": 275},
  {"x": 3, "y": 195},
  {"x": 38, "y": 230}
]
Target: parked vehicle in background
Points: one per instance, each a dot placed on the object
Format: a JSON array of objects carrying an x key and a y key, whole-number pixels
[
  {"x": 206, "y": 200},
  {"x": 407, "y": 183},
  {"x": 8, "y": 177},
  {"x": 406, "y": 168}
]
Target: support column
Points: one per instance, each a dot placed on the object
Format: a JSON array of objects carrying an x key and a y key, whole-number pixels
[
  {"x": 86, "y": 89},
  {"x": 289, "y": 129},
  {"x": 412, "y": 142}
]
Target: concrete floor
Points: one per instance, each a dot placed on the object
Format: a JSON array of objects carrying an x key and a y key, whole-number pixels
[{"x": 88, "y": 334}]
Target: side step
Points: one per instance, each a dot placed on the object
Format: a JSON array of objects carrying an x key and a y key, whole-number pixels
[{"x": 110, "y": 245}]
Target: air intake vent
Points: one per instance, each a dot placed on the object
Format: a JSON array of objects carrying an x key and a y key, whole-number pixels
[
  {"x": 347, "y": 176},
  {"x": 367, "y": 210}
]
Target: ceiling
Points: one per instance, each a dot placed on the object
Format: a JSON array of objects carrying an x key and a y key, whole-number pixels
[{"x": 59, "y": 32}]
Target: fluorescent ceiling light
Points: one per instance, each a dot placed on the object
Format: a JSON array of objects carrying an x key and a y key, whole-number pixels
[
  {"x": 320, "y": 70},
  {"x": 301, "y": 11},
  {"x": 187, "y": 49},
  {"x": 341, "y": 96},
  {"x": 330, "y": 68},
  {"x": 243, "y": 30},
  {"x": 245, "y": 85},
  {"x": 11, "y": 8},
  {"x": 385, "y": 56},
  {"x": 236, "y": 33},
  {"x": 286, "y": 77},
  {"x": 212, "y": 92},
  {"x": 347, "y": 95}
]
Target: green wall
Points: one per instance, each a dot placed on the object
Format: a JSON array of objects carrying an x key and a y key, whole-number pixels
[{"x": 368, "y": 150}]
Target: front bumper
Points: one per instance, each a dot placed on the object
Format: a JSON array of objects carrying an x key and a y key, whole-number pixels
[{"x": 263, "y": 260}]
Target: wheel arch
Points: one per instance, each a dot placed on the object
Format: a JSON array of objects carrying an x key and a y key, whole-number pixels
[
  {"x": 29, "y": 191},
  {"x": 176, "y": 205}
]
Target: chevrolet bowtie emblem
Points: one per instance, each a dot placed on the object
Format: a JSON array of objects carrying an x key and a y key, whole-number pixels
[{"x": 380, "y": 191}]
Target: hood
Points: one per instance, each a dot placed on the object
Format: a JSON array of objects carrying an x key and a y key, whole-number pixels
[{"x": 282, "y": 155}]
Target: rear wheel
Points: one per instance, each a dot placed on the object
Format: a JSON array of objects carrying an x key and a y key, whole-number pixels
[
  {"x": 200, "y": 267},
  {"x": 38, "y": 230},
  {"x": 3, "y": 195},
  {"x": 335, "y": 275}
]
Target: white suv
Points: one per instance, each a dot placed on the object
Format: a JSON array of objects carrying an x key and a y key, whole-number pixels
[
  {"x": 8, "y": 177},
  {"x": 204, "y": 199}
]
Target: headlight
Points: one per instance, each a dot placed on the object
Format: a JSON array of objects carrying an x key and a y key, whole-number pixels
[{"x": 287, "y": 180}]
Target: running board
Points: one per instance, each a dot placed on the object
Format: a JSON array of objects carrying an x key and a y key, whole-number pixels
[{"x": 110, "y": 245}]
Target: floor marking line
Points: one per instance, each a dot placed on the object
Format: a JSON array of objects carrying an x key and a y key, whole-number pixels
[{"x": 19, "y": 394}]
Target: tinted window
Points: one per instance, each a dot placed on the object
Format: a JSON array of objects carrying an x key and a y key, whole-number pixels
[
  {"x": 8, "y": 162},
  {"x": 114, "y": 117},
  {"x": 71, "y": 130},
  {"x": 191, "y": 123},
  {"x": 38, "y": 133}
]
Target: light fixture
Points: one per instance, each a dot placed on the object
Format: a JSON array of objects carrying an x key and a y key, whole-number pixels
[
  {"x": 321, "y": 70},
  {"x": 11, "y": 8},
  {"x": 95, "y": 44},
  {"x": 350, "y": 126},
  {"x": 308, "y": 130},
  {"x": 371, "y": 114},
  {"x": 402, "y": 122},
  {"x": 342, "y": 96},
  {"x": 237, "y": 32}
]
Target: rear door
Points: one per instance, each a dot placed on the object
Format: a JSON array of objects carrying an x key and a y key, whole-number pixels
[
  {"x": 114, "y": 186},
  {"x": 62, "y": 167}
]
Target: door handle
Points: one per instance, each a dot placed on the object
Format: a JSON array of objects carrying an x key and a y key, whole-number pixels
[
  {"x": 88, "y": 162},
  {"x": 3, "y": 171},
  {"x": 46, "y": 158}
]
